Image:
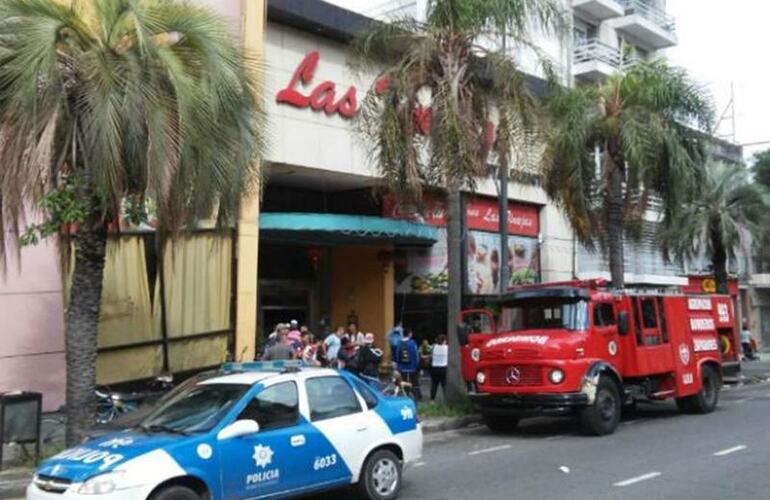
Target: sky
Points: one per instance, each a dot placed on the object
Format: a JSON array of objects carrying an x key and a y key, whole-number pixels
[{"x": 721, "y": 42}]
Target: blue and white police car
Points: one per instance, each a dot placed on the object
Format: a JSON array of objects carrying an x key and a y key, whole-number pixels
[{"x": 251, "y": 430}]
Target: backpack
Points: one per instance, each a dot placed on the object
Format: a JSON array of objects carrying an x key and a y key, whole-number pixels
[{"x": 404, "y": 355}]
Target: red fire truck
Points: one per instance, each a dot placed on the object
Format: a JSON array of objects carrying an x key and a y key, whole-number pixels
[{"x": 577, "y": 348}]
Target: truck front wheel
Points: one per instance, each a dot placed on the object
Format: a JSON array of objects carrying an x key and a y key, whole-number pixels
[
  {"x": 706, "y": 400},
  {"x": 603, "y": 416},
  {"x": 500, "y": 424}
]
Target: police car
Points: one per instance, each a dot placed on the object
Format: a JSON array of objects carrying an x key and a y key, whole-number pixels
[{"x": 251, "y": 430}]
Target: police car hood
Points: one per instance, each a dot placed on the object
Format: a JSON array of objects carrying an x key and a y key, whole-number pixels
[
  {"x": 103, "y": 454},
  {"x": 532, "y": 344}
]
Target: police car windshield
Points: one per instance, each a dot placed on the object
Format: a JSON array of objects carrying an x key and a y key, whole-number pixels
[
  {"x": 196, "y": 408},
  {"x": 540, "y": 314}
]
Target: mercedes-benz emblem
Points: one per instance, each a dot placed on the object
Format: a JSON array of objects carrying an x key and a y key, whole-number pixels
[{"x": 513, "y": 375}]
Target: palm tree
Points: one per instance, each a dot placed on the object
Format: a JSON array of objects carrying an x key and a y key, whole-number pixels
[
  {"x": 639, "y": 123},
  {"x": 443, "y": 69},
  {"x": 722, "y": 215},
  {"x": 106, "y": 103}
]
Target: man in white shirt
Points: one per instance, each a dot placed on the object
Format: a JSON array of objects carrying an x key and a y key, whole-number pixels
[
  {"x": 333, "y": 343},
  {"x": 438, "y": 366},
  {"x": 748, "y": 351}
]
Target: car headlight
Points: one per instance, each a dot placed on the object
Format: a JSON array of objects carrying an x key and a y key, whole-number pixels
[
  {"x": 556, "y": 376},
  {"x": 476, "y": 354},
  {"x": 101, "y": 484},
  {"x": 481, "y": 378}
]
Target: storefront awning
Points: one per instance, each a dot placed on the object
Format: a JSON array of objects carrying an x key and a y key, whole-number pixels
[{"x": 339, "y": 229}]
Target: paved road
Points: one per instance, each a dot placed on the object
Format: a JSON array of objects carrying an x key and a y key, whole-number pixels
[{"x": 655, "y": 454}]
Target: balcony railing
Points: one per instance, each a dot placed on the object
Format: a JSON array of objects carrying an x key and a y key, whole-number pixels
[
  {"x": 594, "y": 50},
  {"x": 650, "y": 12}
]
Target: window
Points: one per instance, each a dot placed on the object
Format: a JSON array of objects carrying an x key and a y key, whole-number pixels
[
  {"x": 195, "y": 407},
  {"x": 544, "y": 314},
  {"x": 275, "y": 407},
  {"x": 366, "y": 393},
  {"x": 648, "y": 314},
  {"x": 662, "y": 314},
  {"x": 604, "y": 315},
  {"x": 330, "y": 397}
]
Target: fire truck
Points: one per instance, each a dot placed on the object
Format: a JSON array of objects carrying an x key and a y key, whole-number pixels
[{"x": 579, "y": 348}]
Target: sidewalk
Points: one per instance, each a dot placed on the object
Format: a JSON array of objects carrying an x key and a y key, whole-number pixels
[{"x": 13, "y": 482}]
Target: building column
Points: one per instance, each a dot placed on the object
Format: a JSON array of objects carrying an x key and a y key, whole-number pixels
[{"x": 253, "y": 17}]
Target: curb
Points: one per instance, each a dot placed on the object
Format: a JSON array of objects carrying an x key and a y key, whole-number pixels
[{"x": 451, "y": 424}]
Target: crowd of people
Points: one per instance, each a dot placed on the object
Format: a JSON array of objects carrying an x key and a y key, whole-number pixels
[
  {"x": 351, "y": 349},
  {"x": 345, "y": 348}
]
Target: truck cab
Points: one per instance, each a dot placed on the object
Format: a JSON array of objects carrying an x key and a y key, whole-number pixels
[{"x": 580, "y": 349}]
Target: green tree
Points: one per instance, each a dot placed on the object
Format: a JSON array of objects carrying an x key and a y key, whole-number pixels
[
  {"x": 107, "y": 103},
  {"x": 637, "y": 123},
  {"x": 724, "y": 213},
  {"x": 761, "y": 168},
  {"x": 442, "y": 71}
]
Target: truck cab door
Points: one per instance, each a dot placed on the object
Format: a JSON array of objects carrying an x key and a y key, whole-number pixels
[
  {"x": 605, "y": 328},
  {"x": 653, "y": 352}
]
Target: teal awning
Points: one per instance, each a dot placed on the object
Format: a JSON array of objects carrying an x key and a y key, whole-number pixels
[{"x": 340, "y": 229}]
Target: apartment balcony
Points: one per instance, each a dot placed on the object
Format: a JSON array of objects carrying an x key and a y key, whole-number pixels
[
  {"x": 647, "y": 23},
  {"x": 599, "y": 9},
  {"x": 594, "y": 61}
]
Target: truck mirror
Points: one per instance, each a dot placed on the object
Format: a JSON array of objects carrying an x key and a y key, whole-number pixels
[
  {"x": 463, "y": 330},
  {"x": 623, "y": 323}
]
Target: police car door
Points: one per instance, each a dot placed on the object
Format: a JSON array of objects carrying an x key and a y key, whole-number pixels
[
  {"x": 335, "y": 410},
  {"x": 264, "y": 464}
]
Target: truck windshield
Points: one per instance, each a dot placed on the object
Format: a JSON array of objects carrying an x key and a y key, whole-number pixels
[
  {"x": 195, "y": 408},
  {"x": 539, "y": 314}
]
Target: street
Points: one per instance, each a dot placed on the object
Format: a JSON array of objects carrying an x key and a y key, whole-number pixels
[{"x": 658, "y": 453}]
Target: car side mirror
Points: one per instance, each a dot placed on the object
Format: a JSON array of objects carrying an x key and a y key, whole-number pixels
[
  {"x": 463, "y": 330},
  {"x": 238, "y": 428},
  {"x": 623, "y": 323}
]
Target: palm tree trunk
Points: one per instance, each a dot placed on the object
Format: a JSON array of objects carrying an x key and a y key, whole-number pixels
[
  {"x": 719, "y": 261},
  {"x": 82, "y": 324},
  {"x": 455, "y": 390},
  {"x": 615, "y": 227}
]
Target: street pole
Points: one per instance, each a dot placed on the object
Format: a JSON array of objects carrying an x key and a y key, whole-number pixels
[{"x": 503, "y": 212}]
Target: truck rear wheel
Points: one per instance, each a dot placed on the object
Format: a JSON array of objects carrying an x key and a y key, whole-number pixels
[
  {"x": 603, "y": 416},
  {"x": 501, "y": 424},
  {"x": 707, "y": 399}
]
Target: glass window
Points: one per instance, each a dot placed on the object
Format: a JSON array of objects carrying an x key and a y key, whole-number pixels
[
  {"x": 330, "y": 397},
  {"x": 604, "y": 315},
  {"x": 196, "y": 408},
  {"x": 366, "y": 393},
  {"x": 544, "y": 314},
  {"x": 648, "y": 314},
  {"x": 276, "y": 406},
  {"x": 662, "y": 314}
]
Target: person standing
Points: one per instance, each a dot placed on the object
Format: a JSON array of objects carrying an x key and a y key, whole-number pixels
[
  {"x": 355, "y": 336},
  {"x": 425, "y": 353},
  {"x": 746, "y": 341},
  {"x": 408, "y": 359},
  {"x": 333, "y": 344},
  {"x": 282, "y": 349},
  {"x": 439, "y": 362},
  {"x": 395, "y": 335},
  {"x": 367, "y": 359}
]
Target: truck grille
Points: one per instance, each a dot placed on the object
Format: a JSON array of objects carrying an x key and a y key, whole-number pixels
[
  {"x": 513, "y": 354},
  {"x": 51, "y": 484},
  {"x": 513, "y": 375}
]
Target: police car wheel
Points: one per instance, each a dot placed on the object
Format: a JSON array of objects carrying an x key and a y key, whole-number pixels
[
  {"x": 603, "y": 416},
  {"x": 381, "y": 476},
  {"x": 175, "y": 493}
]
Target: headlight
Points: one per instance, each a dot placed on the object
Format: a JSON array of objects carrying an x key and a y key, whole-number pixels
[
  {"x": 481, "y": 378},
  {"x": 476, "y": 354},
  {"x": 556, "y": 376},
  {"x": 101, "y": 484}
]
